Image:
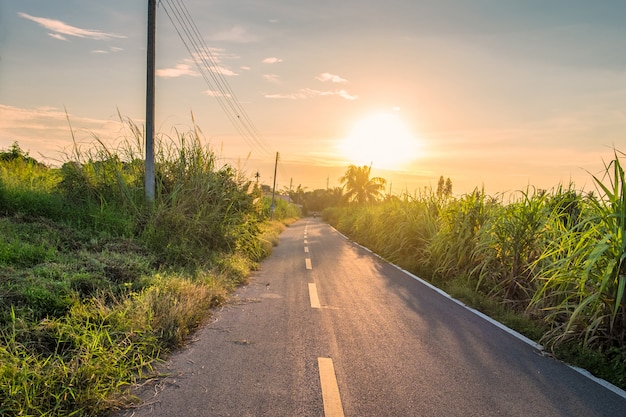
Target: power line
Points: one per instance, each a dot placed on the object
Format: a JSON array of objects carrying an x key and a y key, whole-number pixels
[{"x": 211, "y": 72}]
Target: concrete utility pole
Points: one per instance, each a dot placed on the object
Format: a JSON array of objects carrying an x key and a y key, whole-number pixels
[
  {"x": 272, "y": 207},
  {"x": 150, "y": 84}
]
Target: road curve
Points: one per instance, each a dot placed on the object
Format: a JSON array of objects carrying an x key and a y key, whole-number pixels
[{"x": 325, "y": 328}]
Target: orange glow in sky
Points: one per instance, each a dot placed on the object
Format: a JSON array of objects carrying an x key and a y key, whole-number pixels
[{"x": 494, "y": 94}]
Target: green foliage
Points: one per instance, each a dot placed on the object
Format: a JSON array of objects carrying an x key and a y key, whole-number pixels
[
  {"x": 453, "y": 248},
  {"x": 199, "y": 207},
  {"x": 283, "y": 210},
  {"x": 550, "y": 264},
  {"x": 584, "y": 270},
  {"x": 26, "y": 186},
  {"x": 359, "y": 187},
  {"x": 509, "y": 242},
  {"x": 95, "y": 283}
]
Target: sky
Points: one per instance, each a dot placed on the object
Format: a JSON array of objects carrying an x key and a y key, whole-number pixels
[{"x": 499, "y": 95}]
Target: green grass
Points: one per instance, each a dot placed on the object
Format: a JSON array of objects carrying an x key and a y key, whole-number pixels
[
  {"x": 96, "y": 286},
  {"x": 549, "y": 264}
]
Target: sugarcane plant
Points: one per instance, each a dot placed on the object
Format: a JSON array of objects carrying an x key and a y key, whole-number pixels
[{"x": 583, "y": 272}]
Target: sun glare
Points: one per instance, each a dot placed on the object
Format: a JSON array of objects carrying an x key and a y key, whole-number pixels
[{"x": 382, "y": 140}]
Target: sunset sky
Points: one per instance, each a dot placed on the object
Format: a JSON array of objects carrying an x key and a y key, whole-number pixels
[{"x": 500, "y": 94}]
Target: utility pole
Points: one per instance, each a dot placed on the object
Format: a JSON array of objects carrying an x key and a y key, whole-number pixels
[
  {"x": 274, "y": 189},
  {"x": 150, "y": 84}
]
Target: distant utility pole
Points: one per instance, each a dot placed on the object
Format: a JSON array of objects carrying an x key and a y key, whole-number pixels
[
  {"x": 150, "y": 84},
  {"x": 274, "y": 189}
]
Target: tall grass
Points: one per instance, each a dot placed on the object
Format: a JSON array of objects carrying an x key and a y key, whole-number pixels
[
  {"x": 584, "y": 270},
  {"x": 453, "y": 248},
  {"x": 283, "y": 210},
  {"x": 508, "y": 244},
  {"x": 555, "y": 258},
  {"x": 96, "y": 284}
]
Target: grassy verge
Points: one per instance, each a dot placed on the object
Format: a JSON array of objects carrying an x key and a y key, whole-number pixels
[
  {"x": 549, "y": 264},
  {"x": 96, "y": 286}
]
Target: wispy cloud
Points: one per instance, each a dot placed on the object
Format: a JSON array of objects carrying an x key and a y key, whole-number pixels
[
  {"x": 224, "y": 71},
  {"x": 273, "y": 78},
  {"x": 272, "y": 60},
  {"x": 187, "y": 67},
  {"x": 305, "y": 93},
  {"x": 57, "y": 36},
  {"x": 214, "y": 93},
  {"x": 327, "y": 76},
  {"x": 237, "y": 34},
  {"x": 60, "y": 29},
  {"x": 214, "y": 57},
  {"x": 27, "y": 125},
  {"x": 184, "y": 68},
  {"x": 107, "y": 51}
]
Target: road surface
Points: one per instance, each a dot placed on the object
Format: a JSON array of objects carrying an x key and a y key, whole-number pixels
[{"x": 325, "y": 328}]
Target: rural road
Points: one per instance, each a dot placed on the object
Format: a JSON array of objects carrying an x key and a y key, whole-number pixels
[{"x": 327, "y": 329}]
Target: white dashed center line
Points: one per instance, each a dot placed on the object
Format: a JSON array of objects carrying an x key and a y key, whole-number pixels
[{"x": 315, "y": 300}]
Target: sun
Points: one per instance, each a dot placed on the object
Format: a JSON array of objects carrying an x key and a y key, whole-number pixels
[{"x": 382, "y": 140}]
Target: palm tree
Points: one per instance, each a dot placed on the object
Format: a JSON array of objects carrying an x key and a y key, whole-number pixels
[{"x": 360, "y": 188}]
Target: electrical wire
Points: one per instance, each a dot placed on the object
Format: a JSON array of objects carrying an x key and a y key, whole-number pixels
[{"x": 211, "y": 71}]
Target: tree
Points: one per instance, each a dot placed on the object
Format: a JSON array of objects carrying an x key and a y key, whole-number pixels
[
  {"x": 319, "y": 199},
  {"x": 17, "y": 154},
  {"x": 359, "y": 187},
  {"x": 444, "y": 187}
]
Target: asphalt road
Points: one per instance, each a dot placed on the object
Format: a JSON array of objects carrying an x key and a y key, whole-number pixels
[{"x": 325, "y": 328}]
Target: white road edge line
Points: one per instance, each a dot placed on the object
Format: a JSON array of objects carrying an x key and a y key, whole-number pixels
[
  {"x": 313, "y": 297},
  {"x": 330, "y": 389},
  {"x": 602, "y": 382}
]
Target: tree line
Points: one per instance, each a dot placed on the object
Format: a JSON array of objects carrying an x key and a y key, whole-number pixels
[{"x": 357, "y": 187}]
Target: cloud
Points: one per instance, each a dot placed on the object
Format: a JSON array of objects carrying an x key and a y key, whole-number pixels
[
  {"x": 187, "y": 67},
  {"x": 273, "y": 78},
  {"x": 184, "y": 68},
  {"x": 236, "y": 34},
  {"x": 107, "y": 51},
  {"x": 245, "y": 68},
  {"x": 57, "y": 36},
  {"x": 213, "y": 93},
  {"x": 272, "y": 60},
  {"x": 28, "y": 126},
  {"x": 224, "y": 71},
  {"x": 346, "y": 95},
  {"x": 217, "y": 54},
  {"x": 305, "y": 93},
  {"x": 60, "y": 28},
  {"x": 327, "y": 76},
  {"x": 212, "y": 58}
]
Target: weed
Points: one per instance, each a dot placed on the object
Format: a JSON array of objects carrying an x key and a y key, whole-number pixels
[{"x": 95, "y": 285}]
